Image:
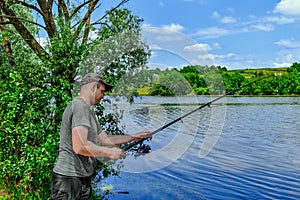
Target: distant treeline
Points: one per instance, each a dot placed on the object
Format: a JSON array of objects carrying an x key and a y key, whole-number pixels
[{"x": 208, "y": 80}]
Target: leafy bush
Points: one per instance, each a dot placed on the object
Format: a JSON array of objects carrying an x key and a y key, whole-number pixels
[{"x": 28, "y": 139}]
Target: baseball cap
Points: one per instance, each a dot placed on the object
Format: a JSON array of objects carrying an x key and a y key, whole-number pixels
[{"x": 93, "y": 77}]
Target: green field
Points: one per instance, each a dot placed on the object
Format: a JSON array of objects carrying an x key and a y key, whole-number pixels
[{"x": 247, "y": 73}]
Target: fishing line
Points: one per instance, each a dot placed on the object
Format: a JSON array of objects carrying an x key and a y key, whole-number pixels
[{"x": 141, "y": 140}]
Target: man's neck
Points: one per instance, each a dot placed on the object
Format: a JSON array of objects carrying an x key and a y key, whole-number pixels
[{"x": 86, "y": 100}]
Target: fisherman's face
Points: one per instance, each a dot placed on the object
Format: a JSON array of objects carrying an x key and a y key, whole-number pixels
[{"x": 99, "y": 94}]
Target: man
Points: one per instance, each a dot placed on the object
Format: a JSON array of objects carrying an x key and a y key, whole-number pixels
[{"x": 82, "y": 140}]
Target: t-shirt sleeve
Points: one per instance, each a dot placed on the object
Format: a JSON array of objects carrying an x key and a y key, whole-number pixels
[
  {"x": 100, "y": 129},
  {"x": 81, "y": 115}
]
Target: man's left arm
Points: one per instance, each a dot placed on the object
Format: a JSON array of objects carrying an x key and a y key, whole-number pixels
[{"x": 115, "y": 140}]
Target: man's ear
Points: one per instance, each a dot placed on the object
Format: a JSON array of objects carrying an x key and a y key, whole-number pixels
[{"x": 94, "y": 87}]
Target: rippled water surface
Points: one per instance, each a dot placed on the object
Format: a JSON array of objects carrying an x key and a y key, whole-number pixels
[{"x": 238, "y": 148}]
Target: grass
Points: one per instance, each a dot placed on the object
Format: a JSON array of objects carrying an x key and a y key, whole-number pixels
[
  {"x": 248, "y": 73},
  {"x": 144, "y": 91}
]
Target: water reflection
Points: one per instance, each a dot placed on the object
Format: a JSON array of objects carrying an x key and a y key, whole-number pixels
[{"x": 256, "y": 157}]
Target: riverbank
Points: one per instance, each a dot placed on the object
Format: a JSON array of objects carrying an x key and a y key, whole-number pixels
[{"x": 144, "y": 92}]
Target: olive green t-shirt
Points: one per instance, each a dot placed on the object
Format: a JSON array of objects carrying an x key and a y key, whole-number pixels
[{"x": 68, "y": 163}]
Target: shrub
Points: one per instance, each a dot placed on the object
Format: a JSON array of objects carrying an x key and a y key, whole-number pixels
[{"x": 28, "y": 139}]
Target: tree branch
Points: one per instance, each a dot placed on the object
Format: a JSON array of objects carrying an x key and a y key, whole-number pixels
[
  {"x": 31, "y": 6},
  {"x": 22, "y": 19},
  {"x": 4, "y": 28},
  {"x": 46, "y": 8},
  {"x": 111, "y": 10},
  {"x": 7, "y": 45},
  {"x": 103, "y": 23},
  {"x": 79, "y": 7},
  {"x": 86, "y": 21},
  {"x": 62, "y": 6},
  {"x": 23, "y": 31}
]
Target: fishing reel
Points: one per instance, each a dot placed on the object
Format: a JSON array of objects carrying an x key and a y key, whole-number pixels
[{"x": 142, "y": 150}]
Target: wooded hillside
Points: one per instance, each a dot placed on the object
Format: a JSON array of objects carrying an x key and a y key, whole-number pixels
[{"x": 204, "y": 80}]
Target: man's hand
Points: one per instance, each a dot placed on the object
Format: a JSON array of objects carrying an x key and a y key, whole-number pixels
[
  {"x": 115, "y": 153},
  {"x": 143, "y": 134}
]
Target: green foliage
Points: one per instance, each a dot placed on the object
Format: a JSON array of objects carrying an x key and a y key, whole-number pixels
[
  {"x": 294, "y": 68},
  {"x": 216, "y": 80},
  {"x": 28, "y": 140},
  {"x": 170, "y": 84},
  {"x": 118, "y": 54},
  {"x": 36, "y": 90},
  {"x": 232, "y": 81}
]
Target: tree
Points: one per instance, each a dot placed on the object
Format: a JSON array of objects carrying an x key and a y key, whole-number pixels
[
  {"x": 232, "y": 81},
  {"x": 293, "y": 79},
  {"x": 38, "y": 79},
  {"x": 69, "y": 27},
  {"x": 196, "y": 80},
  {"x": 170, "y": 84},
  {"x": 295, "y": 67},
  {"x": 194, "y": 75},
  {"x": 214, "y": 81}
]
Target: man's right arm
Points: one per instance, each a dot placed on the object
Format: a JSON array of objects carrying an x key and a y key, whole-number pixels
[{"x": 82, "y": 146}]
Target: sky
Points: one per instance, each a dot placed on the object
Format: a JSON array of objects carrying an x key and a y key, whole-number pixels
[{"x": 236, "y": 34}]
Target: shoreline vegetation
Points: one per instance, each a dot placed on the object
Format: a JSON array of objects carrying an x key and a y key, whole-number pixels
[
  {"x": 289, "y": 79},
  {"x": 216, "y": 80},
  {"x": 236, "y": 95},
  {"x": 188, "y": 81}
]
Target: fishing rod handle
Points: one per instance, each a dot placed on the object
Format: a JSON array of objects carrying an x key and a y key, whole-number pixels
[
  {"x": 139, "y": 141},
  {"x": 132, "y": 144}
]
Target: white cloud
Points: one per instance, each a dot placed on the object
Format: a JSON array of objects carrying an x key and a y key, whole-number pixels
[
  {"x": 220, "y": 57},
  {"x": 286, "y": 57},
  {"x": 206, "y": 57},
  {"x": 169, "y": 38},
  {"x": 284, "y": 64},
  {"x": 280, "y": 20},
  {"x": 154, "y": 47},
  {"x": 289, "y": 43},
  {"x": 165, "y": 33},
  {"x": 173, "y": 27},
  {"x": 202, "y": 47},
  {"x": 216, "y": 14},
  {"x": 228, "y": 20},
  {"x": 288, "y": 7},
  {"x": 224, "y": 20},
  {"x": 263, "y": 27},
  {"x": 146, "y": 25},
  {"x": 213, "y": 32},
  {"x": 216, "y": 45},
  {"x": 231, "y": 10},
  {"x": 224, "y": 56},
  {"x": 198, "y": 47}
]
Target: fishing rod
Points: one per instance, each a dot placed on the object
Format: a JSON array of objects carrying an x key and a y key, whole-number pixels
[{"x": 145, "y": 149}]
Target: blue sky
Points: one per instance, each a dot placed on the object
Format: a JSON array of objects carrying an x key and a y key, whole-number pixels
[{"x": 237, "y": 34}]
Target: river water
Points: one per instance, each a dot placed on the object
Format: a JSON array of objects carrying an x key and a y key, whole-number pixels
[{"x": 237, "y": 148}]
